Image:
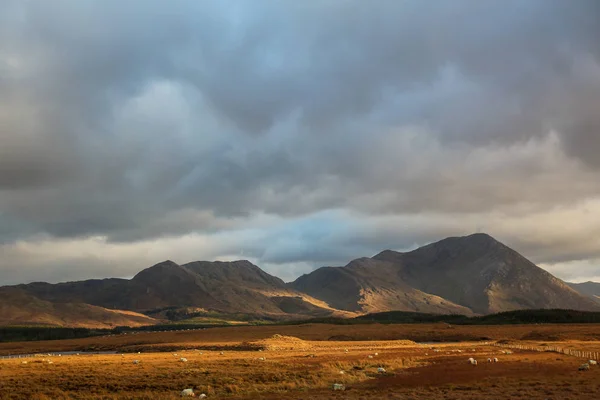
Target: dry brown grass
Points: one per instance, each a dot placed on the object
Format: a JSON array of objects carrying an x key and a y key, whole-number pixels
[{"x": 299, "y": 368}]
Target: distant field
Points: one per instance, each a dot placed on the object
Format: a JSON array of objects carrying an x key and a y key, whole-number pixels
[
  {"x": 227, "y": 336},
  {"x": 308, "y": 366}
]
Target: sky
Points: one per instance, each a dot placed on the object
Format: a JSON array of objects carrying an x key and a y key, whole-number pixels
[{"x": 295, "y": 134}]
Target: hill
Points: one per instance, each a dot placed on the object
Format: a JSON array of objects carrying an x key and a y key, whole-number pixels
[
  {"x": 475, "y": 272},
  {"x": 369, "y": 285},
  {"x": 20, "y": 308},
  {"x": 591, "y": 289}
]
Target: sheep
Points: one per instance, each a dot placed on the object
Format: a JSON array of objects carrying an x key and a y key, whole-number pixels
[
  {"x": 495, "y": 359},
  {"x": 136, "y": 362},
  {"x": 202, "y": 396},
  {"x": 376, "y": 354},
  {"x": 338, "y": 386},
  {"x": 472, "y": 361},
  {"x": 370, "y": 356},
  {"x": 183, "y": 359},
  {"x": 342, "y": 372},
  {"x": 593, "y": 362},
  {"x": 261, "y": 359},
  {"x": 188, "y": 393},
  {"x": 584, "y": 367},
  {"x": 489, "y": 360},
  {"x": 381, "y": 370},
  {"x": 222, "y": 353}
]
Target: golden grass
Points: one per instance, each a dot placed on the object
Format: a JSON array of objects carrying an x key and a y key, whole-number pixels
[{"x": 295, "y": 368}]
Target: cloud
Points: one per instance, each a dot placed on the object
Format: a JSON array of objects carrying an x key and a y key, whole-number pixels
[{"x": 150, "y": 122}]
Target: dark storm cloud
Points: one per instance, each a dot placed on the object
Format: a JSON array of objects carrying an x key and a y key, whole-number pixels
[{"x": 138, "y": 120}]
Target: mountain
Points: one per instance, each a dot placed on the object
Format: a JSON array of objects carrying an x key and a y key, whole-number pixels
[
  {"x": 460, "y": 275},
  {"x": 474, "y": 272},
  {"x": 17, "y": 307},
  {"x": 368, "y": 285},
  {"x": 225, "y": 287},
  {"x": 591, "y": 289}
]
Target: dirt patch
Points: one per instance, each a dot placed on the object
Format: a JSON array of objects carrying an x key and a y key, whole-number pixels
[{"x": 546, "y": 336}]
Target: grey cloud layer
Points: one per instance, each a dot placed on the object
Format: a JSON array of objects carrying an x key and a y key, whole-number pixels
[{"x": 147, "y": 119}]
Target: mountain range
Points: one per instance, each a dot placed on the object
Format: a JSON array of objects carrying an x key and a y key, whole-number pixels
[{"x": 468, "y": 275}]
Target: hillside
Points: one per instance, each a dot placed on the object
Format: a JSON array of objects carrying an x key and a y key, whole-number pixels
[
  {"x": 20, "y": 308},
  {"x": 474, "y": 272},
  {"x": 590, "y": 289},
  {"x": 367, "y": 286}
]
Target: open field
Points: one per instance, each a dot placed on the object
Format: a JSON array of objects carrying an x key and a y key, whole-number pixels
[{"x": 225, "y": 363}]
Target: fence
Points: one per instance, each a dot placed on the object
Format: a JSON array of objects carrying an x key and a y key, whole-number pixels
[{"x": 590, "y": 355}]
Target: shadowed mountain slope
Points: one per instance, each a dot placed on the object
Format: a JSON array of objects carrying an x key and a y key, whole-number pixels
[{"x": 590, "y": 289}]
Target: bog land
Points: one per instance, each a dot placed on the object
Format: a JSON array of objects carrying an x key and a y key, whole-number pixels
[{"x": 395, "y": 361}]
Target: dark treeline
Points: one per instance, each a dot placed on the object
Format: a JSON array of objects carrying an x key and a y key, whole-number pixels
[
  {"x": 29, "y": 333},
  {"x": 543, "y": 316}
]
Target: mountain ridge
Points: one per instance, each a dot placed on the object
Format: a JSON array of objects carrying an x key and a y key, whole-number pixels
[{"x": 468, "y": 275}]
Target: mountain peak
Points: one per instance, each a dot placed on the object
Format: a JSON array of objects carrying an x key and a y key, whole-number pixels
[{"x": 159, "y": 270}]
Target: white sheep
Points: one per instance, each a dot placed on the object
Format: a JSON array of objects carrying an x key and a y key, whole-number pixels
[
  {"x": 370, "y": 356},
  {"x": 202, "y": 396},
  {"x": 188, "y": 393},
  {"x": 584, "y": 367},
  {"x": 136, "y": 361},
  {"x": 489, "y": 360},
  {"x": 495, "y": 359},
  {"x": 183, "y": 359},
  {"x": 338, "y": 386},
  {"x": 381, "y": 370},
  {"x": 593, "y": 362},
  {"x": 472, "y": 361}
]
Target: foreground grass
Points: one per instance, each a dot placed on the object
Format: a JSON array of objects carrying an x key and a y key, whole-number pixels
[{"x": 297, "y": 369}]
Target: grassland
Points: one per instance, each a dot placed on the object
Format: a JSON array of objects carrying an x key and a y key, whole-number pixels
[{"x": 307, "y": 361}]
